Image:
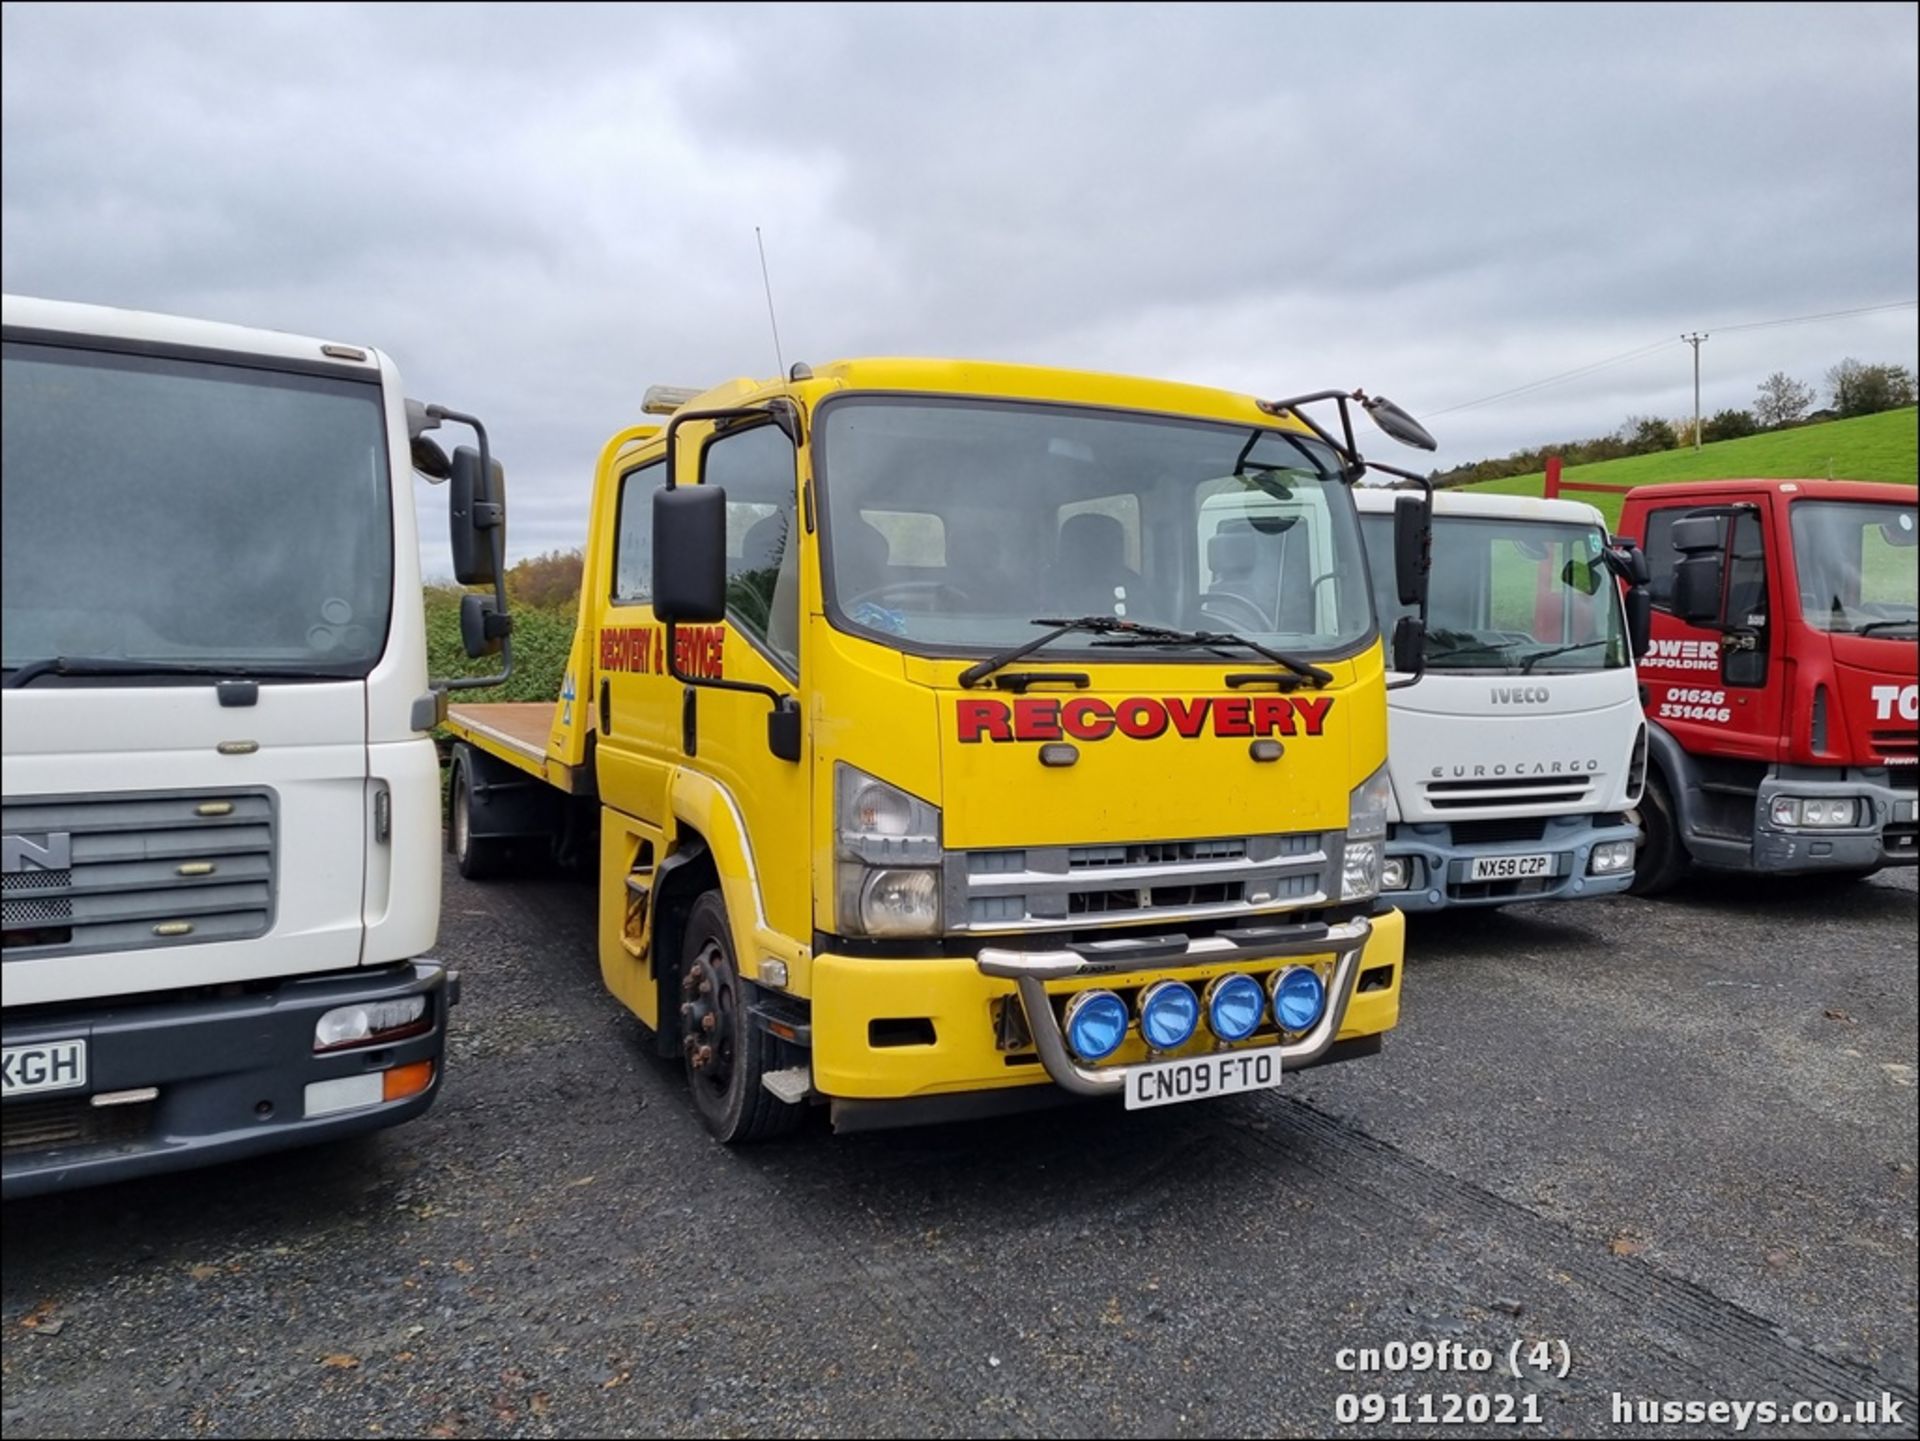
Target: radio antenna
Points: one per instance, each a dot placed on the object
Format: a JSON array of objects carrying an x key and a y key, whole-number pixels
[{"x": 778, "y": 358}]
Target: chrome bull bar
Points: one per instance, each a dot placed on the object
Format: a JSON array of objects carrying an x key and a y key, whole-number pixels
[{"x": 1031, "y": 970}]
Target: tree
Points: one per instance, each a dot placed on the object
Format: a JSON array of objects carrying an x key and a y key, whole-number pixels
[
  {"x": 1782, "y": 401},
  {"x": 1728, "y": 425},
  {"x": 546, "y": 581},
  {"x": 1869, "y": 389},
  {"x": 1645, "y": 434}
]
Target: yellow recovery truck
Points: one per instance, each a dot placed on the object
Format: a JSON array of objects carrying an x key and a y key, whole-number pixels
[{"x": 958, "y": 735}]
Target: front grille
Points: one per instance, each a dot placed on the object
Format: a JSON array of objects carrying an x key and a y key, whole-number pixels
[
  {"x": 1486, "y": 792},
  {"x": 1499, "y": 832},
  {"x": 1896, "y": 744},
  {"x": 157, "y": 868},
  {"x": 1164, "y": 853},
  {"x": 1054, "y": 887},
  {"x": 71, "y": 1121}
]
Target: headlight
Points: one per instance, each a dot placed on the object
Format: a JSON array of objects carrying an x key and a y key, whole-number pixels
[
  {"x": 900, "y": 903},
  {"x": 1169, "y": 1011},
  {"x": 1367, "y": 807},
  {"x": 374, "y": 1022},
  {"x": 1812, "y": 813},
  {"x": 1096, "y": 1024},
  {"x": 1395, "y": 874},
  {"x": 1610, "y": 858},
  {"x": 1235, "y": 1006},
  {"x": 1366, "y": 836},
  {"x": 1299, "y": 997},
  {"x": 881, "y": 824},
  {"x": 887, "y": 848}
]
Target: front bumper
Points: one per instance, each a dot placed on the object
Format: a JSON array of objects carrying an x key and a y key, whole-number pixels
[
  {"x": 1440, "y": 865},
  {"x": 231, "y": 1075},
  {"x": 892, "y": 1029},
  {"x": 1889, "y": 838}
]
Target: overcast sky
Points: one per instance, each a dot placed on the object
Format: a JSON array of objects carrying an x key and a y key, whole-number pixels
[{"x": 539, "y": 211}]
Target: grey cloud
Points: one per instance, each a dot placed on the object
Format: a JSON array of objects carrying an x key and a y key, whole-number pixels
[{"x": 541, "y": 210}]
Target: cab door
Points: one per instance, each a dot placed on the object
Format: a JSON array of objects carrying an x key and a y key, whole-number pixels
[
  {"x": 1716, "y": 688},
  {"x": 723, "y": 733}
]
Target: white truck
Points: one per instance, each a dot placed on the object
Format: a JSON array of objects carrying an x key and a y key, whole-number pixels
[
  {"x": 1518, "y": 761},
  {"x": 221, "y": 800}
]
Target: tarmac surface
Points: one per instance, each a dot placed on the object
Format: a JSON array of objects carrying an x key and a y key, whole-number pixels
[{"x": 1669, "y": 1144}]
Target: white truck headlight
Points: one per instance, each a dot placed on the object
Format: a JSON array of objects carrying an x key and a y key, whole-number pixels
[
  {"x": 1610, "y": 858},
  {"x": 887, "y": 858},
  {"x": 1366, "y": 837},
  {"x": 374, "y": 1021}
]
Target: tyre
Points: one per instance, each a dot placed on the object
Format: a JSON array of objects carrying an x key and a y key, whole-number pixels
[
  {"x": 725, "y": 1052},
  {"x": 476, "y": 857},
  {"x": 1662, "y": 860}
]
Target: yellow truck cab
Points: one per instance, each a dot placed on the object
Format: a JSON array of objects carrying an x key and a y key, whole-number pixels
[{"x": 960, "y": 736}]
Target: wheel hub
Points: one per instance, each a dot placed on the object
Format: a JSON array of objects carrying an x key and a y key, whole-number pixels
[{"x": 706, "y": 1017}]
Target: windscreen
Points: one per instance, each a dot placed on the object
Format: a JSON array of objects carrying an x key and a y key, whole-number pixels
[
  {"x": 1855, "y": 561},
  {"x": 176, "y": 511},
  {"x": 1509, "y": 595},
  {"x": 955, "y": 525}
]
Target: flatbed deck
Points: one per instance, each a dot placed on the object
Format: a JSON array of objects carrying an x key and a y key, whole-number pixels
[
  {"x": 521, "y": 726},
  {"x": 517, "y": 732}
]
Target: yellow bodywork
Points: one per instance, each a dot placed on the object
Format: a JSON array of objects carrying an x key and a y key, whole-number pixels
[{"x": 768, "y": 824}]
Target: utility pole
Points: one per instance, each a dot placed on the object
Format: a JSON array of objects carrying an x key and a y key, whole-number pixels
[{"x": 1694, "y": 340}]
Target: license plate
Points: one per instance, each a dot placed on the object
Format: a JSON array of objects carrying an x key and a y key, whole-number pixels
[
  {"x": 1509, "y": 868},
  {"x": 1199, "y": 1078},
  {"x": 48, "y": 1066}
]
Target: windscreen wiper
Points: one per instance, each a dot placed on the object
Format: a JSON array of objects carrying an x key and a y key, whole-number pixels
[
  {"x": 27, "y": 674},
  {"x": 1473, "y": 649},
  {"x": 1212, "y": 639},
  {"x": 1533, "y": 660},
  {"x": 1873, "y": 625},
  {"x": 1097, "y": 624}
]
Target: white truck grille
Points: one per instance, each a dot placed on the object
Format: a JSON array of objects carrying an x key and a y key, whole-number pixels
[
  {"x": 118, "y": 872},
  {"x": 1494, "y": 792}
]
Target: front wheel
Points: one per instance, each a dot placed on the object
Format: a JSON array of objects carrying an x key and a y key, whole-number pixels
[
  {"x": 1662, "y": 860},
  {"x": 726, "y": 1051}
]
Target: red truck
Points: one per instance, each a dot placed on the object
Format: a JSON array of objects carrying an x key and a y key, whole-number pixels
[{"x": 1780, "y": 686}]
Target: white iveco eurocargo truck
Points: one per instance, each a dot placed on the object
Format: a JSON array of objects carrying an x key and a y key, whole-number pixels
[
  {"x": 1519, "y": 759},
  {"x": 221, "y": 800}
]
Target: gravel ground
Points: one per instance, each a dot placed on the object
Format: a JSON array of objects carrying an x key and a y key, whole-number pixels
[{"x": 1677, "y": 1136}]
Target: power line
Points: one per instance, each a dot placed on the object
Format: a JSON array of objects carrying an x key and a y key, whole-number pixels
[
  {"x": 1627, "y": 355},
  {"x": 1828, "y": 315},
  {"x": 1620, "y": 359}
]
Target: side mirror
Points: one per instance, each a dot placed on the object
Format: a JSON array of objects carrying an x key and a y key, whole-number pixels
[
  {"x": 1700, "y": 574},
  {"x": 1412, "y": 547},
  {"x": 475, "y": 509},
  {"x": 1409, "y": 645},
  {"x": 1398, "y": 424},
  {"x": 429, "y": 459},
  {"x": 690, "y": 553},
  {"x": 483, "y": 625},
  {"x": 1628, "y": 561},
  {"x": 1697, "y": 582},
  {"x": 1639, "y": 620}
]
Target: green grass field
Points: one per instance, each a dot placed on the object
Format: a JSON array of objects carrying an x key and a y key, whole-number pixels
[{"x": 1869, "y": 447}]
